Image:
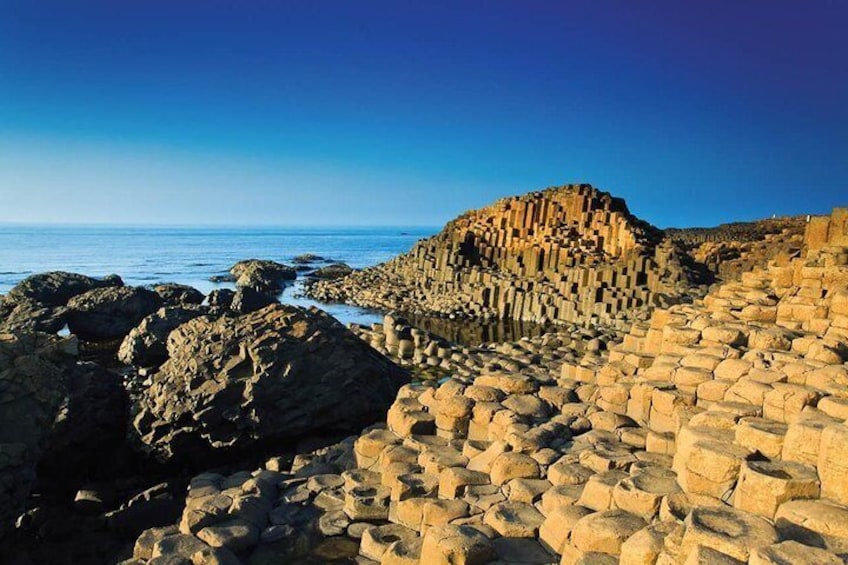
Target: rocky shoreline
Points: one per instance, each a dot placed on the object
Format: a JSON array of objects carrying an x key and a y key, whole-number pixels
[{"x": 686, "y": 403}]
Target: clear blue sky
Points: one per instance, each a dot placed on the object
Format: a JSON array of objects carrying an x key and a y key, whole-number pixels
[{"x": 404, "y": 112}]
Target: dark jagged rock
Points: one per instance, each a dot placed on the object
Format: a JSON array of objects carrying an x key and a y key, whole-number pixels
[
  {"x": 110, "y": 313},
  {"x": 90, "y": 426},
  {"x": 221, "y": 299},
  {"x": 27, "y": 315},
  {"x": 268, "y": 277},
  {"x": 247, "y": 300},
  {"x": 334, "y": 271},
  {"x": 178, "y": 294},
  {"x": 307, "y": 258},
  {"x": 266, "y": 377},
  {"x": 57, "y": 288},
  {"x": 32, "y": 390},
  {"x": 37, "y": 303},
  {"x": 145, "y": 345}
]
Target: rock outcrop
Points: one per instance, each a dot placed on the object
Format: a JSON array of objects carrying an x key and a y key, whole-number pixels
[
  {"x": 106, "y": 314},
  {"x": 174, "y": 294},
  {"x": 234, "y": 383},
  {"x": 90, "y": 425},
  {"x": 267, "y": 277},
  {"x": 146, "y": 344},
  {"x": 38, "y": 303},
  {"x": 566, "y": 254},
  {"x": 57, "y": 288},
  {"x": 332, "y": 271},
  {"x": 32, "y": 389}
]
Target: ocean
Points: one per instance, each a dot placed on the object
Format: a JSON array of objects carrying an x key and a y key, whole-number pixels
[{"x": 190, "y": 255}]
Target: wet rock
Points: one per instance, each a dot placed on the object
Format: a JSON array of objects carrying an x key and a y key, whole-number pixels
[{"x": 307, "y": 258}]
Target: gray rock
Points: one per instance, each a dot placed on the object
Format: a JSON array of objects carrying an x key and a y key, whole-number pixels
[
  {"x": 272, "y": 375},
  {"x": 56, "y": 288},
  {"x": 178, "y": 294},
  {"x": 31, "y": 392},
  {"x": 90, "y": 425},
  {"x": 268, "y": 277},
  {"x": 247, "y": 300},
  {"x": 145, "y": 345},
  {"x": 334, "y": 271},
  {"x": 307, "y": 258},
  {"x": 110, "y": 313}
]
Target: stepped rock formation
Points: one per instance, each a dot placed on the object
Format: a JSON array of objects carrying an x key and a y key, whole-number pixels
[
  {"x": 714, "y": 432},
  {"x": 566, "y": 254}
]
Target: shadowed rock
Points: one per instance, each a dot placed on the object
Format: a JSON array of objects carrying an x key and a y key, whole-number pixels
[
  {"x": 56, "y": 288},
  {"x": 178, "y": 294},
  {"x": 110, "y": 313},
  {"x": 145, "y": 345}
]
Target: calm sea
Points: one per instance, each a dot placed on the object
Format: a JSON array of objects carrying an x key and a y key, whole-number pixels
[{"x": 144, "y": 256}]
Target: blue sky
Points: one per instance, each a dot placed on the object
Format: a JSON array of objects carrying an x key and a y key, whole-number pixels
[{"x": 408, "y": 113}]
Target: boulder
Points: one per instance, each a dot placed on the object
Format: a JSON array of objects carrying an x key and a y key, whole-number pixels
[
  {"x": 331, "y": 272},
  {"x": 268, "y": 277},
  {"x": 307, "y": 258},
  {"x": 268, "y": 376},
  {"x": 145, "y": 345},
  {"x": 248, "y": 299},
  {"x": 175, "y": 294},
  {"x": 56, "y": 288},
  {"x": 37, "y": 303},
  {"x": 221, "y": 299},
  {"x": 105, "y": 314}
]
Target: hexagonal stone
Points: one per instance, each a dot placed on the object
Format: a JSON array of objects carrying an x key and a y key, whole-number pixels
[{"x": 514, "y": 519}]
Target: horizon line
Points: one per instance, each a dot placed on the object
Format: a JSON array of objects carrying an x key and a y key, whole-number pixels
[{"x": 166, "y": 225}]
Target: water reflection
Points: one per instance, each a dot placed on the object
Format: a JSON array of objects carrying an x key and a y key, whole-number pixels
[{"x": 475, "y": 332}]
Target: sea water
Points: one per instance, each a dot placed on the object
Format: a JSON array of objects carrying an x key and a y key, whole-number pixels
[{"x": 191, "y": 255}]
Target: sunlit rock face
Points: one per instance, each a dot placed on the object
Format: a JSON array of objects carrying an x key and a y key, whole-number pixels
[{"x": 565, "y": 254}]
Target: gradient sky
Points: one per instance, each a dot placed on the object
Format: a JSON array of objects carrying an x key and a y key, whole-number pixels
[{"x": 407, "y": 113}]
